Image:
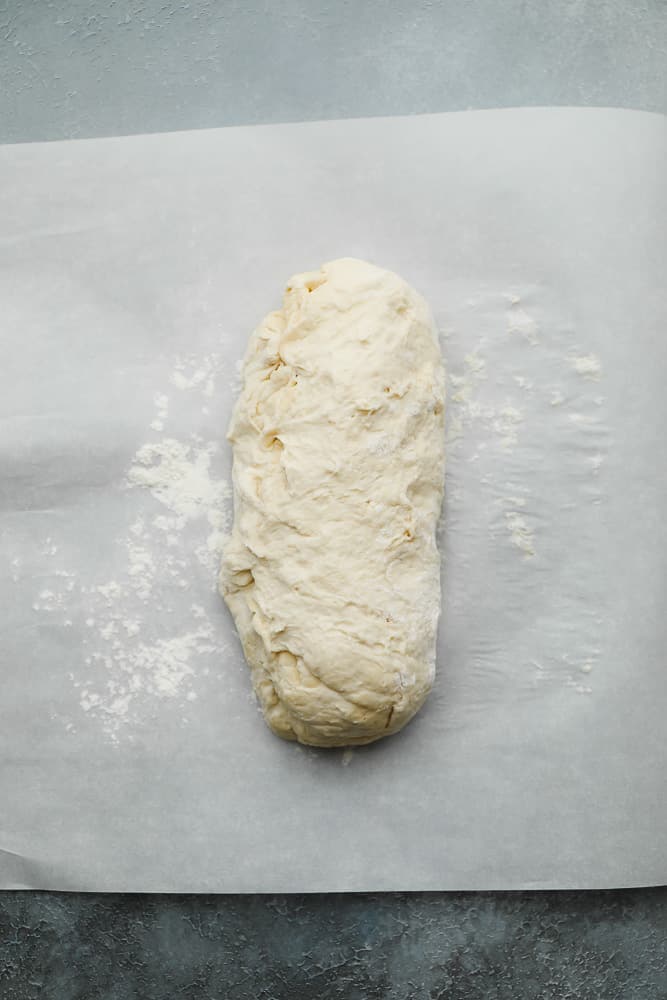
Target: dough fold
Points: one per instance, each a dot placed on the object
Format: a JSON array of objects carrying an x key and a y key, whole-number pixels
[{"x": 332, "y": 571}]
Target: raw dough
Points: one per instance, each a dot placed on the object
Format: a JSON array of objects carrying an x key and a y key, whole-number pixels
[{"x": 332, "y": 572}]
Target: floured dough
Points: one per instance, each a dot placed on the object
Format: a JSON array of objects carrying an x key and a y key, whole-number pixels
[{"x": 332, "y": 571}]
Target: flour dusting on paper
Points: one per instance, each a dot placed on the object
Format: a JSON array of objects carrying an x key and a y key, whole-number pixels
[
  {"x": 134, "y": 653},
  {"x": 521, "y": 402},
  {"x": 587, "y": 365},
  {"x": 520, "y": 321},
  {"x": 465, "y": 406},
  {"x": 196, "y": 373},
  {"x": 178, "y": 475},
  {"x": 506, "y": 424},
  {"x": 161, "y": 411},
  {"x": 520, "y": 532},
  {"x": 236, "y": 382}
]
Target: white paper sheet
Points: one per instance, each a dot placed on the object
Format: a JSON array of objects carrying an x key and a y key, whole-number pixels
[{"x": 131, "y": 273}]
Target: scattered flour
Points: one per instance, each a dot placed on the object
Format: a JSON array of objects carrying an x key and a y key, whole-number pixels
[
  {"x": 178, "y": 474},
  {"x": 134, "y": 651},
  {"x": 236, "y": 381},
  {"x": 505, "y": 424},
  {"x": 587, "y": 365},
  {"x": 196, "y": 373},
  {"x": 520, "y": 534},
  {"x": 161, "y": 411},
  {"x": 577, "y": 666},
  {"x": 465, "y": 406},
  {"x": 468, "y": 406},
  {"x": 519, "y": 531},
  {"x": 522, "y": 323},
  {"x": 515, "y": 403}
]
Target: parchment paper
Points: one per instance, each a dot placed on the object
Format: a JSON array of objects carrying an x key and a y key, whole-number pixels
[{"x": 132, "y": 272}]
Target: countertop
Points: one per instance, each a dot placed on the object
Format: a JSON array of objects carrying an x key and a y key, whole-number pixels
[{"x": 82, "y": 68}]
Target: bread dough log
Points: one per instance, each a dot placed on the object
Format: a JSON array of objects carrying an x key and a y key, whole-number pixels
[{"x": 332, "y": 571}]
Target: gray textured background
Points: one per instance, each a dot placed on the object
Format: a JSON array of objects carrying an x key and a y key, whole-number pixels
[
  {"x": 108, "y": 67},
  {"x": 73, "y": 69}
]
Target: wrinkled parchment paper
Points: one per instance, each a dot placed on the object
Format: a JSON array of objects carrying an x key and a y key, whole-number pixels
[{"x": 132, "y": 271}]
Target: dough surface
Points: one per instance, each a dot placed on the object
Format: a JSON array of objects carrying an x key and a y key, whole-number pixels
[{"x": 332, "y": 571}]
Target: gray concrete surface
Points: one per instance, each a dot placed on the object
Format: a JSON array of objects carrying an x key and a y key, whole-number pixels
[
  {"x": 106, "y": 67},
  {"x": 503, "y": 946},
  {"x": 74, "y": 68}
]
